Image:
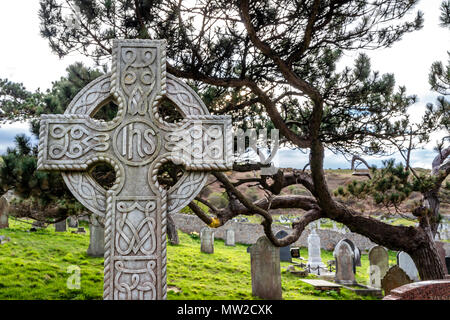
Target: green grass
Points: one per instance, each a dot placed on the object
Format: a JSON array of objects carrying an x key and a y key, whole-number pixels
[{"x": 34, "y": 266}]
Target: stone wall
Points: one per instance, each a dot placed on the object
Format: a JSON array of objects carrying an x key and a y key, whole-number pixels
[{"x": 248, "y": 233}]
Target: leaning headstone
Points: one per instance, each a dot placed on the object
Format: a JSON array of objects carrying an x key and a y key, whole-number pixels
[
  {"x": 345, "y": 258},
  {"x": 379, "y": 265},
  {"x": 405, "y": 262},
  {"x": 394, "y": 278},
  {"x": 136, "y": 143},
  {"x": 72, "y": 222},
  {"x": 229, "y": 238},
  {"x": 61, "y": 226},
  {"x": 4, "y": 208},
  {"x": 314, "y": 258},
  {"x": 96, "y": 238},
  {"x": 207, "y": 240},
  {"x": 285, "y": 252},
  {"x": 265, "y": 269},
  {"x": 441, "y": 253}
]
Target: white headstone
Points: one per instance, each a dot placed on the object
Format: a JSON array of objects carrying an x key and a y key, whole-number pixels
[
  {"x": 314, "y": 258},
  {"x": 405, "y": 262}
]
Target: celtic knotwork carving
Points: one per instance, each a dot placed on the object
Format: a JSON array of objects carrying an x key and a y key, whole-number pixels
[
  {"x": 131, "y": 236},
  {"x": 140, "y": 282},
  {"x": 76, "y": 141},
  {"x": 135, "y": 143}
]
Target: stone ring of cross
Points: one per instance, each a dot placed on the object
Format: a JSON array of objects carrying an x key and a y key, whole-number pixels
[{"x": 136, "y": 143}]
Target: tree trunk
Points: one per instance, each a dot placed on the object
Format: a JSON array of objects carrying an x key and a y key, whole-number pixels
[
  {"x": 172, "y": 232},
  {"x": 427, "y": 262}
]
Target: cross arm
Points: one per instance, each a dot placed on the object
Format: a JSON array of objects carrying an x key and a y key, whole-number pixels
[{"x": 71, "y": 142}]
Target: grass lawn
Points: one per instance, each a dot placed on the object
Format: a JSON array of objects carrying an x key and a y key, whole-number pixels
[{"x": 34, "y": 266}]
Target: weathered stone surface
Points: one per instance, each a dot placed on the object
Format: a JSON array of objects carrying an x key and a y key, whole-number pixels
[
  {"x": 230, "y": 239},
  {"x": 285, "y": 252},
  {"x": 357, "y": 254},
  {"x": 207, "y": 240},
  {"x": 136, "y": 143},
  {"x": 405, "y": 262},
  {"x": 344, "y": 257},
  {"x": 314, "y": 258},
  {"x": 61, "y": 226},
  {"x": 96, "y": 238},
  {"x": 72, "y": 222},
  {"x": 265, "y": 270},
  {"x": 394, "y": 278},
  {"x": 423, "y": 290},
  {"x": 379, "y": 265},
  {"x": 4, "y": 209}
]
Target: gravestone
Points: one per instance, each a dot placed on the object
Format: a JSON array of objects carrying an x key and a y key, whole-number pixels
[
  {"x": 405, "y": 262},
  {"x": 72, "y": 222},
  {"x": 265, "y": 269},
  {"x": 357, "y": 257},
  {"x": 4, "y": 208},
  {"x": 314, "y": 258},
  {"x": 345, "y": 258},
  {"x": 285, "y": 252},
  {"x": 229, "y": 238},
  {"x": 441, "y": 253},
  {"x": 96, "y": 238},
  {"x": 395, "y": 277},
  {"x": 61, "y": 226},
  {"x": 207, "y": 240},
  {"x": 136, "y": 144},
  {"x": 379, "y": 265},
  {"x": 357, "y": 254},
  {"x": 295, "y": 253}
]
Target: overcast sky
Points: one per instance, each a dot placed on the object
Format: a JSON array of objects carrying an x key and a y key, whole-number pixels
[{"x": 26, "y": 57}]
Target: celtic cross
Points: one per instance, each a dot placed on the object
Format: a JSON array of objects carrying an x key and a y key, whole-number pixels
[{"x": 136, "y": 143}]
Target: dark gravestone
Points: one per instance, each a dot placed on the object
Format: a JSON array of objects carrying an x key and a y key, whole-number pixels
[
  {"x": 265, "y": 269},
  {"x": 61, "y": 226},
  {"x": 295, "y": 253},
  {"x": 394, "y": 278},
  {"x": 285, "y": 252},
  {"x": 248, "y": 249}
]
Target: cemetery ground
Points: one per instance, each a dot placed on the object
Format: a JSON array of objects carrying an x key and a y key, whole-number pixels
[{"x": 33, "y": 266}]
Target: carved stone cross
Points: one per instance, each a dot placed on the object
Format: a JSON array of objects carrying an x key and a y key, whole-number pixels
[{"x": 136, "y": 143}]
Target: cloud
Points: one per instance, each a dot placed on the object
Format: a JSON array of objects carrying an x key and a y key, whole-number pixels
[{"x": 9, "y": 131}]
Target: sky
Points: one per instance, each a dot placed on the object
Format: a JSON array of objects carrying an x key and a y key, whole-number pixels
[{"x": 26, "y": 57}]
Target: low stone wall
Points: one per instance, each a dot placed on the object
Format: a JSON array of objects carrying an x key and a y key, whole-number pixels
[
  {"x": 248, "y": 233},
  {"x": 423, "y": 290}
]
